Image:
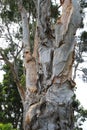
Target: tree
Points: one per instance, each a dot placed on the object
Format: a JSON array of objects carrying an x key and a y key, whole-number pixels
[
  {"x": 80, "y": 114},
  {"x": 11, "y": 110},
  {"x": 47, "y": 100},
  {"x": 49, "y": 87}
]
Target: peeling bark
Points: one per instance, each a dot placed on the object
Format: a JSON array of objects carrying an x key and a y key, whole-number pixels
[
  {"x": 29, "y": 60},
  {"x": 49, "y": 84}
]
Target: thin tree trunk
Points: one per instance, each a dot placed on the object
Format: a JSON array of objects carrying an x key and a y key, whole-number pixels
[{"x": 49, "y": 84}]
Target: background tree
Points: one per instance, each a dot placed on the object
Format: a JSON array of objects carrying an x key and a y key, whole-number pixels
[
  {"x": 11, "y": 107},
  {"x": 80, "y": 55},
  {"x": 10, "y": 102}
]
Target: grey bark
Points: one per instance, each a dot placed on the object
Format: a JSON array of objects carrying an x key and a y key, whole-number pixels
[{"x": 49, "y": 84}]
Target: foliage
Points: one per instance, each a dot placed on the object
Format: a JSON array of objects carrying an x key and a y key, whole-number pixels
[
  {"x": 80, "y": 54},
  {"x": 29, "y": 5},
  {"x": 11, "y": 107},
  {"x": 9, "y": 10},
  {"x": 54, "y": 11},
  {"x": 80, "y": 114},
  {"x": 84, "y": 41},
  {"x": 6, "y": 126},
  {"x": 83, "y": 3}
]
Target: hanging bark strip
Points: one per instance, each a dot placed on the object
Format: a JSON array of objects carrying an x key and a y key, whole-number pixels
[{"x": 48, "y": 104}]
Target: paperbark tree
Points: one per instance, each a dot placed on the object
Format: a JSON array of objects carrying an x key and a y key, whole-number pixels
[{"x": 49, "y": 86}]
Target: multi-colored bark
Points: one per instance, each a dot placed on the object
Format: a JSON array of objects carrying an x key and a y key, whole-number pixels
[{"x": 49, "y": 85}]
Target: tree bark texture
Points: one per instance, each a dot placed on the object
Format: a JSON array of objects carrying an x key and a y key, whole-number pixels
[{"x": 49, "y": 84}]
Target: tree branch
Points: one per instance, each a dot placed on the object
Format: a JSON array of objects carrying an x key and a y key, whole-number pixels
[
  {"x": 25, "y": 25},
  {"x": 43, "y": 23},
  {"x": 20, "y": 88},
  {"x": 13, "y": 43}
]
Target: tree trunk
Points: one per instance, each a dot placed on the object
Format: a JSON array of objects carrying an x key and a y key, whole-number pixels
[{"x": 49, "y": 84}]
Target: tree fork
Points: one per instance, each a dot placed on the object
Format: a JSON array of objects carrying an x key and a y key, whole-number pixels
[{"x": 49, "y": 84}]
